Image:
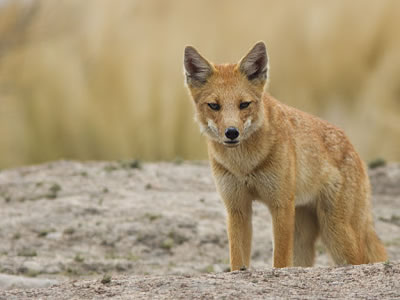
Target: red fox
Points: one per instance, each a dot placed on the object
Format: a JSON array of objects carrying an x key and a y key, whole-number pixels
[{"x": 303, "y": 168}]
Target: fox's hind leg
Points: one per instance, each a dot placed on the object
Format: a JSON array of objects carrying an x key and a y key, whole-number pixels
[
  {"x": 343, "y": 216},
  {"x": 305, "y": 235}
]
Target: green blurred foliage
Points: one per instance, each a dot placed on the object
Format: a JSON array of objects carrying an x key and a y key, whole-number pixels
[{"x": 102, "y": 79}]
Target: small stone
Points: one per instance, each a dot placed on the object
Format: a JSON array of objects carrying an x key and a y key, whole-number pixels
[{"x": 106, "y": 279}]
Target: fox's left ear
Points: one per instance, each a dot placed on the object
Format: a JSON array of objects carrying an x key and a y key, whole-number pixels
[{"x": 255, "y": 64}]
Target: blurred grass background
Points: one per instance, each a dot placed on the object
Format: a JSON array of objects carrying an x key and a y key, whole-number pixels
[{"x": 101, "y": 79}]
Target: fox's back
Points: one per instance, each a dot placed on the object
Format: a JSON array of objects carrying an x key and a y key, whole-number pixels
[{"x": 324, "y": 156}]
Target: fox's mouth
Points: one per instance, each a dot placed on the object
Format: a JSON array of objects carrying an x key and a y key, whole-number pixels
[{"x": 231, "y": 144}]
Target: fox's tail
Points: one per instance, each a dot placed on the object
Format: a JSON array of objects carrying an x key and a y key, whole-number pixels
[{"x": 375, "y": 251}]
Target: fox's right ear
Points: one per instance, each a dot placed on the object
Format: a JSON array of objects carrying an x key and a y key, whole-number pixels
[{"x": 197, "y": 68}]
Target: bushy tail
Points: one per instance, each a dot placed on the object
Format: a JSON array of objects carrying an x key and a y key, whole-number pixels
[{"x": 376, "y": 252}]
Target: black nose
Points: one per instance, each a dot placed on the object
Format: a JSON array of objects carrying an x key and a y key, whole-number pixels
[{"x": 231, "y": 133}]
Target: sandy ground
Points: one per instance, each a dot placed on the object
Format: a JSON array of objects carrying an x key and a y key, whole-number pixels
[{"x": 155, "y": 227}]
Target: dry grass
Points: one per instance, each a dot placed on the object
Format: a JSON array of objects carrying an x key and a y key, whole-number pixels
[{"x": 103, "y": 79}]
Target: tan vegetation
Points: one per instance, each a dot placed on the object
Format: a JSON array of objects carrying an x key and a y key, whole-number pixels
[{"x": 103, "y": 79}]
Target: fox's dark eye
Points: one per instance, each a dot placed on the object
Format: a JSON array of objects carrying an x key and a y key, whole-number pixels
[
  {"x": 244, "y": 105},
  {"x": 214, "y": 106}
]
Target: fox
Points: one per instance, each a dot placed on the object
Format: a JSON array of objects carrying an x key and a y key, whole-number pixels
[{"x": 304, "y": 169}]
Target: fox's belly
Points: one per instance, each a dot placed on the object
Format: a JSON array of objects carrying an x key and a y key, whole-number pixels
[
  {"x": 305, "y": 198},
  {"x": 312, "y": 183}
]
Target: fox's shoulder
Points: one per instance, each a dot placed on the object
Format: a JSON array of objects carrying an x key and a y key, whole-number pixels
[
  {"x": 296, "y": 118},
  {"x": 307, "y": 130}
]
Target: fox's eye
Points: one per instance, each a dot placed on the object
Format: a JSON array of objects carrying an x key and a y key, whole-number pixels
[
  {"x": 244, "y": 105},
  {"x": 214, "y": 106}
]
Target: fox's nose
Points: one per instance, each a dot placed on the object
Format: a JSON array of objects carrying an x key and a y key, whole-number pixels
[{"x": 231, "y": 133}]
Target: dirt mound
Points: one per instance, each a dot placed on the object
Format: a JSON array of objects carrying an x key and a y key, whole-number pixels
[
  {"x": 379, "y": 281},
  {"x": 72, "y": 220}
]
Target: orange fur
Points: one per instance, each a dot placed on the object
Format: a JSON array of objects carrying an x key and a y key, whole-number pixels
[{"x": 303, "y": 168}]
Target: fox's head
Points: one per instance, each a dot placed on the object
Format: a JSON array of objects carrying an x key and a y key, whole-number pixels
[{"x": 228, "y": 98}]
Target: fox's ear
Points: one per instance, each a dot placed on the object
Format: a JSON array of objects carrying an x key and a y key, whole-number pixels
[
  {"x": 255, "y": 64},
  {"x": 197, "y": 68}
]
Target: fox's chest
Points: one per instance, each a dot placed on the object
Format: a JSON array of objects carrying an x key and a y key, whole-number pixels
[
  {"x": 240, "y": 163},
  {"x": 245, "y": 170},
  {"x": 265, "y": 182}
]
